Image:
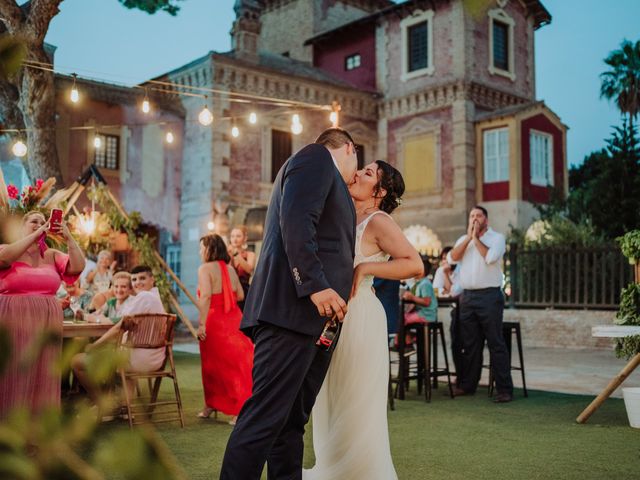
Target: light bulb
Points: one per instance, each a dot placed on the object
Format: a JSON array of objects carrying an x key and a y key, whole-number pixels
[
  {"x": 97, "y": 142},
  {"x": 169, "y": 137},
  {"x": 235, "y": 132},
  {"x": 253, "y": 118},
  {"x": 205, "y": 117},
  {"x": 334, "y": 118},
  {"x": 296, "y": 128},
  {"x": 74, "y": 95},
  {"x": 146, "y": 107},
  {"x": 211, "y": 226},
  {"x": 295, "y": 119},
  {"x": 19, "y": 149}
]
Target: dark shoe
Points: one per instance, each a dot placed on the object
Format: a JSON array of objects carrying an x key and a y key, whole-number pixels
[
  {"x": 458, "y": 392},
  {"x": 503, "y": 398}
]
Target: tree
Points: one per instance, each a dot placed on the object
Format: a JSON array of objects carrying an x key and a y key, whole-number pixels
[
  {"x": 27, "y": 99},
  {"x": 605, "y": 189},
  {"x": 622, "y": 82}
]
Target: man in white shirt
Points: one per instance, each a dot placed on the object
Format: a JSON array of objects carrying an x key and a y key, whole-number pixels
[{"x": 478, "y": 255}]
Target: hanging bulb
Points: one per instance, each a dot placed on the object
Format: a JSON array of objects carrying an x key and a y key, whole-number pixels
[
  {"x": 295, "y": 119},
  {"x": 97, "y": 141},
  {"x": 333, "y": 116},
  {"x": 146, "y": 107},
  {"x": 19, "y": 149},
  {"x": 205, "y": 117},
  {"x": 169, "y": 137},
  {"x": 211, "y": 226},
  {"x": 253, "y": 118},
  {"x": 296, "y": 128},
  {"x": 74, "y": 95},
  {"x": 235, "y": 132}
]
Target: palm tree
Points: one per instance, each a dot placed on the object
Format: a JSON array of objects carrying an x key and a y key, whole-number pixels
[{"x": 622, "y": 82}]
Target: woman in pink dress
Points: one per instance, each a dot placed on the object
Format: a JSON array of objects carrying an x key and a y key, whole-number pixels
[{"x": 30, "y": 275}]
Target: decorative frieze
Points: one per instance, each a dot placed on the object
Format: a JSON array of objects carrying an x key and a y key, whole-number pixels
[{"x": 446, "y": 95}]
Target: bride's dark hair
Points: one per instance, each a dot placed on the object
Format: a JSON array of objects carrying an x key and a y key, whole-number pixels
[{"x": 390, "y": 180}]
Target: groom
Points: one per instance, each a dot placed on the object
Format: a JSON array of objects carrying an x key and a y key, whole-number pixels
[{"x": 303, "y": 278}]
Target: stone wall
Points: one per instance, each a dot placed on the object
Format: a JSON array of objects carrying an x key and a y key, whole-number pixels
[{"x": 553, "y": 328}]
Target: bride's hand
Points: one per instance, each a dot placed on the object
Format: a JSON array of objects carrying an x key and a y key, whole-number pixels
[{"x": 359, "y": 273}]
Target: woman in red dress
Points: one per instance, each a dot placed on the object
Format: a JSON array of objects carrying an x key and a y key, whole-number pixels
[
  {"x": 30, "y": 275},
  {"x": 226, "y": 353}
]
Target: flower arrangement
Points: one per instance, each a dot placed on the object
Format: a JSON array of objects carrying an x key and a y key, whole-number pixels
[
  {"x": 423, "y": 239},
  {"x": 31, "y": 197}
]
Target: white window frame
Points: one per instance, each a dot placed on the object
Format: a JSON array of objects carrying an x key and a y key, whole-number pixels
[
  {"x": 356, "y": 62},
  {"x": 500, "y": 15},
  {"x": 536, "y": 179},
  {"x": 418, "y": 17},
  {"x": 500, "y": 168}
]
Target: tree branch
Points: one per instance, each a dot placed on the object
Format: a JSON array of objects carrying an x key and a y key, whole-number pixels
[
  {"x": 11, "y": 15},
  {"x": 41, "y": 12}
]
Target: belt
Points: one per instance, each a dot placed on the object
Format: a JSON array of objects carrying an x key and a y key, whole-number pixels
[{"x": 481, "y": 290}]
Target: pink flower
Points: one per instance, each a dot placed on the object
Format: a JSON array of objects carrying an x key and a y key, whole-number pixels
[
  {"x": 12, "y": 191},
  {"x": 39, "y": 183}
]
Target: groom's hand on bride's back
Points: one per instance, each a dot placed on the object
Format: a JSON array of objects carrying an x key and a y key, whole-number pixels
[{"x": 329, "y": 303}]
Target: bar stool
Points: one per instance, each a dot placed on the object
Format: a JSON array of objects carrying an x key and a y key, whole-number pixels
[
  {"x": 508, "y": 330},
  {"x": 432, "y": 371}
]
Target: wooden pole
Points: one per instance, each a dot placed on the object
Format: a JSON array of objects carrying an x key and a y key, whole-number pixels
[
  {"x": 606, "y": 393},
  {"x": 178, "y": 309},
  {"x": 74, "y": 197}
]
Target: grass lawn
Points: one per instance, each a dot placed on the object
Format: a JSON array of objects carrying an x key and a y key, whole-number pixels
[{"x": 465, "y": 438}]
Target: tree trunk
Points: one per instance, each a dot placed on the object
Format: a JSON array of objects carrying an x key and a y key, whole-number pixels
[{"x": 38, "y": 106}]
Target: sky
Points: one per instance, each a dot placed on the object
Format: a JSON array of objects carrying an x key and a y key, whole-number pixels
[{"x": 104, "y": 40}]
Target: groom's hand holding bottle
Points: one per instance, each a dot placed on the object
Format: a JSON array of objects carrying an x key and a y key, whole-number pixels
[{"x": 329, "y": 303}]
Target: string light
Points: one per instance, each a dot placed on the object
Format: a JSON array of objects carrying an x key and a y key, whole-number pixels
[
  {"x": 253, "y": 118},
  {"x": 205, "y": 117},
  {"x": 169, "y": 137},
  {"x": 97, "y": 141},
  {"x": 19, "y": 149},
  {"x": 74, "y": 95},
  {"x": 235, "y": 132},
  {"x": 146, "y": 106},
  {"x": 211, "y": 226},
  {"x": 296, "y": 126},
  {"x": 333, "y": 116}
]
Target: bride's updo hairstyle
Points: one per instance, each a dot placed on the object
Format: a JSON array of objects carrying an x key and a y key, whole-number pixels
[{"x": 390, "y": 180}]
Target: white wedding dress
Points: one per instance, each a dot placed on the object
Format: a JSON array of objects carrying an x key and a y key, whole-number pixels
[{"x": 350, "y": 434}]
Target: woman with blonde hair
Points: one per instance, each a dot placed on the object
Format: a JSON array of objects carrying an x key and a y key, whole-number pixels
[{"x": 30, "y": 275}]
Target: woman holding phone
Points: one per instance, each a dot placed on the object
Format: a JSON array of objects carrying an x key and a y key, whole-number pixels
[{"x": 30, "y": 275}]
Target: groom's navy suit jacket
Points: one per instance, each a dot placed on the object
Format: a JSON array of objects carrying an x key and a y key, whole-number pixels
[{"x": 308, "y": 244}]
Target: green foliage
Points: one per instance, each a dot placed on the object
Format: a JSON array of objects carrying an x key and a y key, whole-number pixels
[
  {"x": 629, "y": 314},
  {"x": 630, "y": 245},
  {"x": 152, "y": 6},
  {"x": 12, "y": 53},
  {"x": 605, "y": 189},
  {"x": 56, "y": 446},
  {"x": 621, "y": 82}
]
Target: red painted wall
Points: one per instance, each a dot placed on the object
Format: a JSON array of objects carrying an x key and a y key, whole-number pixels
[
  {"x": 330, "y": 55},
  {"x": 535, "y": 193}
]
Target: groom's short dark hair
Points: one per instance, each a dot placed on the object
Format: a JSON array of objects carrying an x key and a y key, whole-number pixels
[{"x": 334, "y": 138}]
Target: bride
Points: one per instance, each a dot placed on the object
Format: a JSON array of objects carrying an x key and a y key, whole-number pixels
[{"x": 350, "y": 436}]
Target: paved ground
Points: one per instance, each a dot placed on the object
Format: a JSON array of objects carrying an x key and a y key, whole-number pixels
[{"x": 552, "y": 369}]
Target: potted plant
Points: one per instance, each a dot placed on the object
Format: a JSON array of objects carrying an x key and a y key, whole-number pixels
[{"x": 630, "y": 246}]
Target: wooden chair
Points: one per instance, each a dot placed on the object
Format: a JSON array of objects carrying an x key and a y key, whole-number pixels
[{"x": 147, "y": 331}]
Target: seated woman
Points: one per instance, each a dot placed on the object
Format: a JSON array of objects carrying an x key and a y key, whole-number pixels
[
  {"x": 122, "y": 295},
  {"x": 73, "y": 299},
  {"x": 142, "y": 360},
  {"x": 99, "y": 279}
]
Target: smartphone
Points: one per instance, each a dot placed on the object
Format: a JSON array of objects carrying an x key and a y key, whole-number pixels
[{"x": 55, "y": 220}]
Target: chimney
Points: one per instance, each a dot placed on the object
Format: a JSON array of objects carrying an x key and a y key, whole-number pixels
[{"x": 246, "y": 29}]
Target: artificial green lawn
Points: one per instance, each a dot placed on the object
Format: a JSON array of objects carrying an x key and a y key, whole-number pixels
[{"x": 465, "y": 438}]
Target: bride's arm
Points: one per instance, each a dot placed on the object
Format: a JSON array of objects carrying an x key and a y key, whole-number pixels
[{"x": 406, "y": 261}]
